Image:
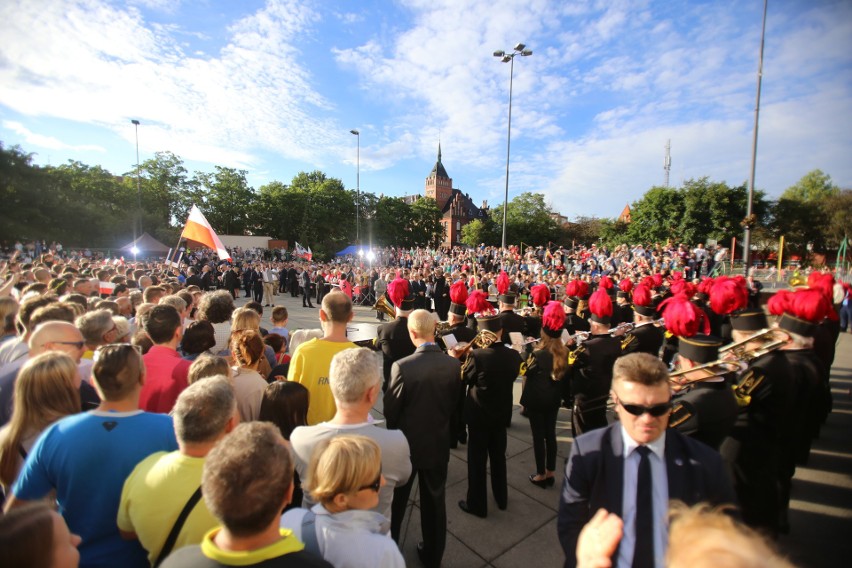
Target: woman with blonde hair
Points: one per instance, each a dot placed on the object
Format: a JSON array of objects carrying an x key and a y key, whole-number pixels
[
  {"x": 245, "y": 319},
  {"x": 44, "y": 392},
  {"x": 344, "y": 477},
  {"x": 249, "y": 385}
]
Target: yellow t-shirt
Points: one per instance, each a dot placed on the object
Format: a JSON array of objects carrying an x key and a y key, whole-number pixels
[
  {"x": 154, "y": 495},
  {"x": 309, "y": 366}
]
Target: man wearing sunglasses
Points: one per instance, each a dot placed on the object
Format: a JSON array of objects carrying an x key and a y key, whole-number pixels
[{"x": 634, "y": 467}]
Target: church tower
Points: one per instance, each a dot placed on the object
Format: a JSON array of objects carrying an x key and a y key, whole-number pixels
[{"x": 439, "y": 186}]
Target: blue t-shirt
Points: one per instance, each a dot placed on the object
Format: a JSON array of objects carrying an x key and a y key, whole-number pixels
[{"x": 86, "y": 458}]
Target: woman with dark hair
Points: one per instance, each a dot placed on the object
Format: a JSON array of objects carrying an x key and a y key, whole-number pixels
[
  {"x": 44, "y": 392},
  {"x": 37, "y": 537},
  {"x": 198, "y": 338},
  {"x": 217, "y": 307},
  {"x": 249, "y": 385},
  {"x": 285, "y": 404},
  {"x": 542, "y": 393}
]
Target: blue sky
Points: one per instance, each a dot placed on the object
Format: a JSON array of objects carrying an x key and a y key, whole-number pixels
[{"x": 274, "y": 88}]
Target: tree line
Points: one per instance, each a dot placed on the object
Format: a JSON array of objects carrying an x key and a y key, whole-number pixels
[
  {"x": 813, "y": 215},
  {"x": 82, "y": 205}
]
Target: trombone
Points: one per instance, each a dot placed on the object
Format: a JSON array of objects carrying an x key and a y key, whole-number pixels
[
  {"x": 767, "y": 340},
  {"x": 630, "y": 326},
  {"x": 712, "y": 370}
]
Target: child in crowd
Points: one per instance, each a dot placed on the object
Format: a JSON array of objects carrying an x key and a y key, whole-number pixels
[
  {"x": 282, "y": 360},
  {"x": 279, "y": 324}
]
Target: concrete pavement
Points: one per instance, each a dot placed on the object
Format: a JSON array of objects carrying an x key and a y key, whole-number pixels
[{"x": 525, "y": 534}]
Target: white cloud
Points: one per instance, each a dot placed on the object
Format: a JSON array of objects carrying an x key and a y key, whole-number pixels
[{"x": 49, "y": 142}]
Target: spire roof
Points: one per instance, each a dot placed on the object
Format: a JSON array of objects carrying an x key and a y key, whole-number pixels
[{"x": 438, "y": 170}]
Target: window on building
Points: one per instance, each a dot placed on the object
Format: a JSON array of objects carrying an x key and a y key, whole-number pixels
[{"x": 458, "y": 225}]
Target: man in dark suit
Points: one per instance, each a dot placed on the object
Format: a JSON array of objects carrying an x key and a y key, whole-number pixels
[
  {"x": 509, "y": 320},
  {"x": 490, "y": 375},
  {"x": 441, "y": 293},
  {"x": 392, "y": 337},
  {"x": 634, "y": 467},
  {"x": 421, "y": 402}
]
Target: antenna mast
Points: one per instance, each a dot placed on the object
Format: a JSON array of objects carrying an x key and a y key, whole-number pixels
[{"x": 667, "y": 162}]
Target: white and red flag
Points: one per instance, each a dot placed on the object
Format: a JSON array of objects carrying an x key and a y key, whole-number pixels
[{"x": 198, "y": 229}]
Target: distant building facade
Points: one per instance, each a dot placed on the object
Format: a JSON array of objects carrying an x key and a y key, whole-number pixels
[
  {"x": 457, "y": 208},
  {"x": 625, "y": 214}
]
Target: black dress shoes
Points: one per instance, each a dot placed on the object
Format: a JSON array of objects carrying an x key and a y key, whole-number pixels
[
  {"x": 539, "y": 482},
  {"x": 463, "y": 506}
]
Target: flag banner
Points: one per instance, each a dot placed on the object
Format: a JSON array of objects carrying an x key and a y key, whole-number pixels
[
  {"x": 106, "y": 288},
  {"x": 199, "y": 230}
]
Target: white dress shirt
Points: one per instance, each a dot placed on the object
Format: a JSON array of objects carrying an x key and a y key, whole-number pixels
[{"x": 660, "y": 498}]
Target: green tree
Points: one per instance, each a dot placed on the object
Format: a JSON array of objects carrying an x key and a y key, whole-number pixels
[
  {"x": 529, "y": 220},
  {"x": 481, "y": 231},
  {"x": 328, "y": 212},
  {"x": 839, "y": 210},
  {"x": 426, "y": 228},
  {"x": 815, "y": 186},
  {"x": 230, "y": 202},
  {"x": 656, "y": 216},
  {"x": 23, "y": 190},
  {"x": 714, "y": 210},
  {"x": 392, "y": 218}
]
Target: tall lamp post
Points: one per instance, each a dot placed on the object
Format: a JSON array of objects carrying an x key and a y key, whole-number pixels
[
  {"x": 749, "y": 220},
  {"x": 138, "y": 186},
  {"x": 519, "y": 49},
  {"x": 358, "y": 189}
]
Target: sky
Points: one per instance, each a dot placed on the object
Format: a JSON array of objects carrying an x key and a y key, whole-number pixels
[{"x": 275, "y": 87}]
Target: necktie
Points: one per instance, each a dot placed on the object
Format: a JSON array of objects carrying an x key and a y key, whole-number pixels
[{"x": 643, "y": 553}]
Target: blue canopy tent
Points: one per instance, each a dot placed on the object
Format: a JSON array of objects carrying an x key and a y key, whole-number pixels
[{"x": 353, "y": 250}]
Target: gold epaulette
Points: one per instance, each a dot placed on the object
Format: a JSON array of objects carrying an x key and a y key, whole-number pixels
[{"x": 679, "y": 415}]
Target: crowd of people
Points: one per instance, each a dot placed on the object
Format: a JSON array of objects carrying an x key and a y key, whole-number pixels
[{"x": 168, "y": 428}]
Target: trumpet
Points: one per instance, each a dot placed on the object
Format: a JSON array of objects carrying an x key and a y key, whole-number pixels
[
  {"x": 579, "y": 337},
  {"x": 630, "y": 326},
  {"x": 767, "y": 340}
]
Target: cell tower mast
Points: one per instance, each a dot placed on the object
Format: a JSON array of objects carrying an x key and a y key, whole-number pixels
[{"x": 667, "y": 162}]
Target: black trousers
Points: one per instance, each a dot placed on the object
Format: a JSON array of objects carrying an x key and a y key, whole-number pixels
[
  {"x": 484, "y": 443},
  {"x": 433, "y": 510},
  {"x": 543, "y": 427},
  {"x": 306, "y": 297}
]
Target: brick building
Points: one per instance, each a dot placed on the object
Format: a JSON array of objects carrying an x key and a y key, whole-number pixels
[{"x": 457, "y": 208}]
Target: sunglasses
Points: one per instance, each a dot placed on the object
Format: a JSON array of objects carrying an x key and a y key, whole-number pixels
[
  {"x": 75, "y": 344},
  {"x": 376, "y": 485},
  {"x": 638, "y": 410}
]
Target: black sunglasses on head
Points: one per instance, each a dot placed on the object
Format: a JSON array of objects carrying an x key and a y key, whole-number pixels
[
  {"x": 376, "y": 485},
  {"x": 638, "y": 410}
]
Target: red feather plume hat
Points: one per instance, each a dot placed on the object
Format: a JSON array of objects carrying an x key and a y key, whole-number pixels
[
  {"x": 540, "y": 295},
  {"x": 502, "y": 283},
  {"x": 600, "y": 305},
  {"x": 458, "y": 297},
  {"x": 682, "y": 317},
  {"x": 486, "y": 315},
  {"x": 553, "y": 319},
  {"x": 728, "y": 295},
  {"x": 643, "y": 302},
  {"x": 399, "y": 293}
]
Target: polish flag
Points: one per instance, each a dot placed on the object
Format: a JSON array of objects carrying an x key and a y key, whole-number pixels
[{"x": 198, "y": 229}]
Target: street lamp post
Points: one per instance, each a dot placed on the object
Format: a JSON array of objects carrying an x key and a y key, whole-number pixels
[
  {"x": 358, "y": 189},
  {"x": 519, "y": 49},
  {"x": 138, "y": 186}
]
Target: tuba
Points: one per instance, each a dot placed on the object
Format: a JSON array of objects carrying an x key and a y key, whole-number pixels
[
  {"x": 383, "y": 305},
  {"x": 484, "y": 338}
]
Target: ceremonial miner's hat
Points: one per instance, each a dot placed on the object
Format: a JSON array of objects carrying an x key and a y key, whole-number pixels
[
  {"x": 504, "y": 294},
  {"x": 643, "y": 303},
  {"x": 624, "y": 288},
  {"x": 400, "y": 294},
  {"x": 485, "y": 314},
  {"x": 600, "y": 305},
  {"x": 553, "y": 319},
  {"x": 458, "y": 297},
  {"x": 749, "y": 320}
]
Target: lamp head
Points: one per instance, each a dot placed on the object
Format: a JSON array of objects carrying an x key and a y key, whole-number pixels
[
  {"x": 526, "y": 52},
  {"x": 355, "y": 132},
  {"x": 520, "y": 47},
  {"x": 134, "y": 121},
  {"x": 506, "y": 58},
  {"x": 499, "y": 53}
]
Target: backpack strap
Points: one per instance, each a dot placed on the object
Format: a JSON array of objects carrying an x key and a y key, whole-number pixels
[
  {"x": 173, "y": 534},
  {"x": 309, "y": 533}
]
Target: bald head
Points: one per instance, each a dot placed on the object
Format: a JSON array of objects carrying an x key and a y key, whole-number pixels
[{"x": 57, "y": 336}]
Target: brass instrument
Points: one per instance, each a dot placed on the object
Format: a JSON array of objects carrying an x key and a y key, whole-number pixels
[
  {"x": 442, "y": 327},
  {"x": 770, "y": 340},
  {"x": 484, "y": 338},
  {"x": 713, "y": 370},
  {"x": 579, "y": 337},
  {"x": 384, "y": 305}
]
